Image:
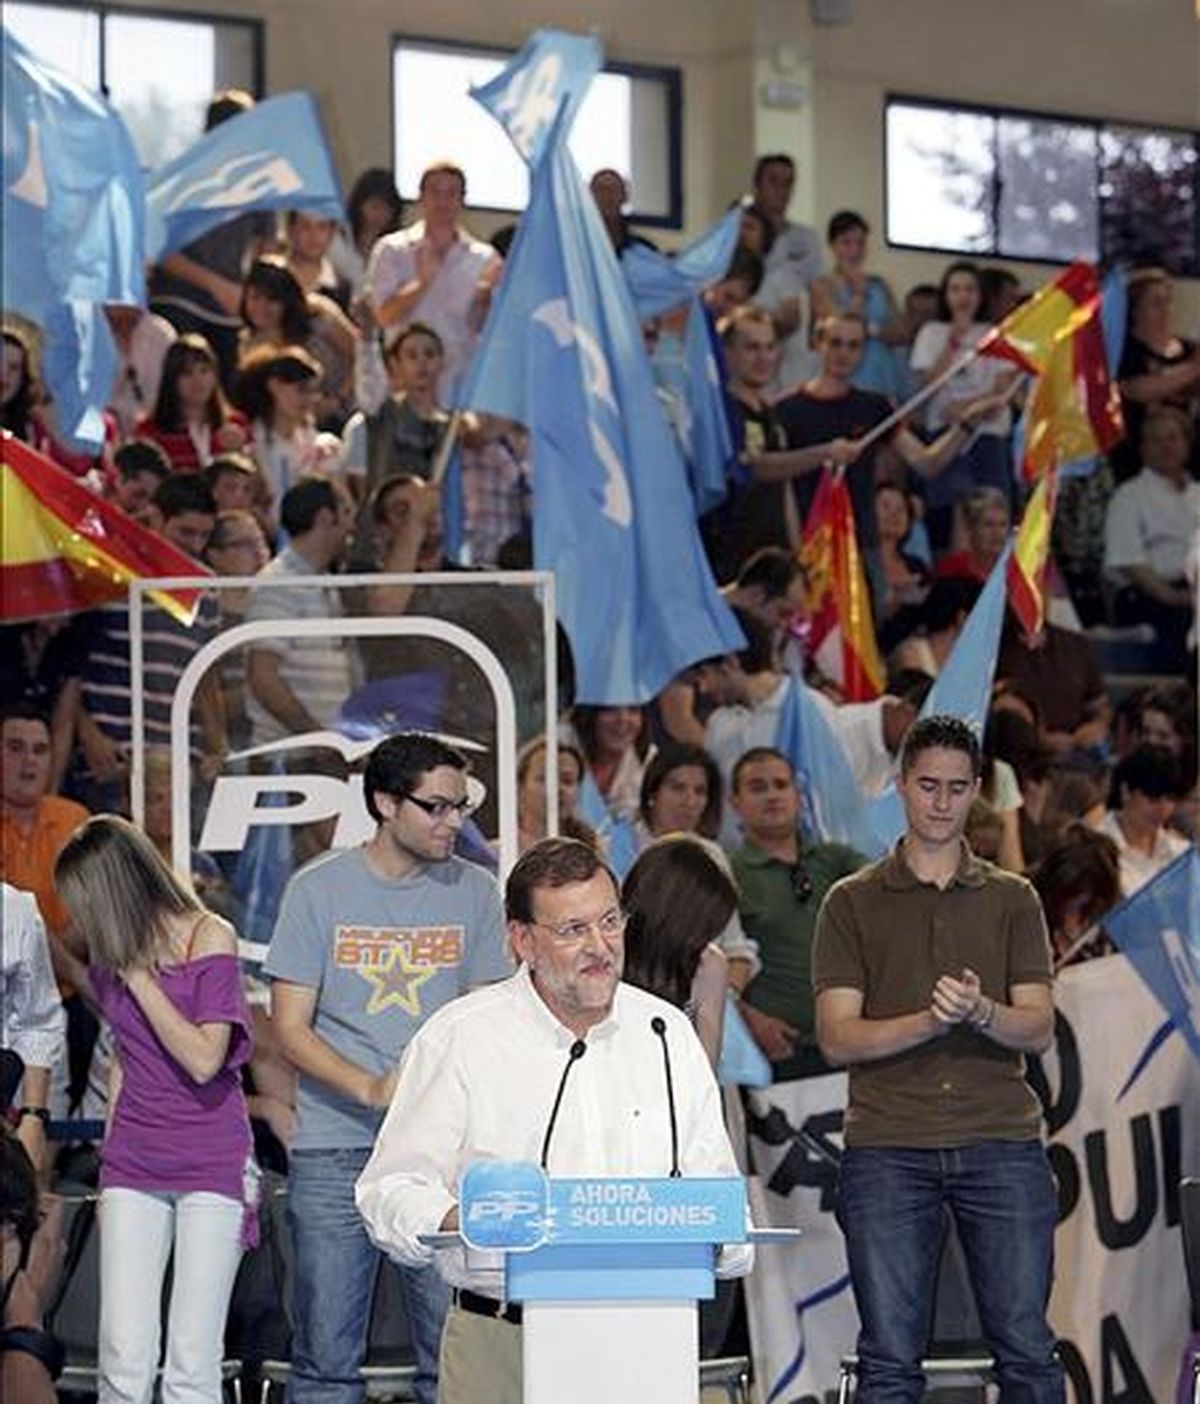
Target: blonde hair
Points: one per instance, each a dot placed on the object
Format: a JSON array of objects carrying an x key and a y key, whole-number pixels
[{"x": 119, "y": 892}]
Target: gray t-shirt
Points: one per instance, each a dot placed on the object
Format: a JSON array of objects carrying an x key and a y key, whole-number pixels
[{"x": 382, "y": 954}]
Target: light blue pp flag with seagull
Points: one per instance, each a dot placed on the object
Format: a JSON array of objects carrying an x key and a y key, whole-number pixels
[{"x": 562, "y": 353}]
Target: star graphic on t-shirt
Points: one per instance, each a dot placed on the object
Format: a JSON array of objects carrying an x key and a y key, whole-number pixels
[{"x": 397, "y": 983}]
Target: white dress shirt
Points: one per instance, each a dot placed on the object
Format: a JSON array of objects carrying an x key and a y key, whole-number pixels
[
  {"x": 1137, "y": 866},
  {"x": 1152, "y": 523},
  {"x": 34, "y": 1025},
  {"x": 478, "y": 1082}
]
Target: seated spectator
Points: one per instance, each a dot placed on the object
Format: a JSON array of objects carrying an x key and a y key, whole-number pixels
[
  {"x": 615, "y": 743},
  {"x": 192, "y": 422},
  {"x": 34, "y": 1026},
  {"x": 18, "y": 385},
  {"x": 373, "y": 208},
  {"x": 278, "y": 314},
  {"x": 920, "y": 306},
  {"x": 1157, "y": 366},
  {"x": 277, "y": 390},
  {"x": 985, "y": 831},
  {"x": 141, "y": 465},
  {"x": 681, "y": 793},
  {"x": 142, "y": 340},
  {"x": 986, "y": 522},
  {"x": 436, "y": 272},
  {"x": 940, "y": 621},
  {"x": 32, "y": 1249},
  {"x": 770, "y": 587},
  {"x": 740, "y": 284},
  {"x": 203, "y": 874},
  {"x": 984, "y": 460},
  {"x": 1058, "y": 671},
  {"x": 781, "y": 883},
  {"x": 44, "y": 660},
  {"x": 1151, "y": 526},
  {"x": 1001, "y": 294},
  {"x": 309, "y": 240},
  {"x": 531, "y": 791},
  {"x": 1078, "y": 881},
  {"x": 235, "y": 482},
  {"x": 610, "y": 190},
  {"x": 677, "y": 959},
  {"x": 298, "y": 685},
  {"x": 27, "y": 412},
  {"x": 236, "y": 547},
  {"x": 1145, "y": 788},
  {"x": 1054, "y": 800},
  {"x": 1166, "y": 716},
  {"x": 899, "y": 580},
  {"x": 849, "y": 288}
]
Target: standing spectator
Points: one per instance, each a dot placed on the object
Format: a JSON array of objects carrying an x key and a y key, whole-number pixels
[
  {"x": 793, "y": 261},
  {"x": 1078, "y": 881},
  {"x": 435, "y": 271},
  {"x": 178, "y": 1176},
  {"x": 1157, "y": 366},
  {"x": 298, "y": 685},
  {"x": 1001, "y": 294},
  {"x": 44, "y": 661},
  {"x": 142, "y": 340},
  {"x": 899, "y": 580},
  {"x": 932, "y": 974},
  {"x": 198, "y": 289},
  {"x": 610, "y": 190},
  {"x": 1057, "y": 670},
  {"x": 1151, "y": 526},
  {"x": 192, "y": 421},
  {"x": 34, "y": 1026},
  {"x": 531, "y": 790},
  {"x": 1145, "y": 788},
  {"x": 986, "y": 520},
  {"x": 850, "y": 288},
  {"x": 781, "y": 884},
  {"x": 18, "y": 385},
  {"x": 615, "y": 742},
  {"x": 237, "y": 546},
  {"x": 309, "y": 240},
  {"x": 235, "y": 482},
  {"x": 373, "y": 209},
  {"x": 368, "y": 944},
  {"x": 985, "y": 461},
  {"x": 497, "y": 486},
  {"x": 141, "y": 465}
]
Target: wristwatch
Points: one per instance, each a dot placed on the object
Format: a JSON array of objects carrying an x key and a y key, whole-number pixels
[
  {"x": 42, "y": 1114},
  {"x": 40, "y": 1344},
  {"x": 983, "y": 1023}
]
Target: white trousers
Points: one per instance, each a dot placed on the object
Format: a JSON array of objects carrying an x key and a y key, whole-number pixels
[{"x": 138, "y": 1231}]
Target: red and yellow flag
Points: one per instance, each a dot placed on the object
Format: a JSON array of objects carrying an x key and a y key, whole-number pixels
[
  {"x": 843, "y": 631},
  {"x": 63, "y": 549},
  {"x": 1031, "y": 554}
]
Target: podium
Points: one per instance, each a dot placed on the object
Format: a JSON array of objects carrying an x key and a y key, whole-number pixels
[{"x": 608, "y": 1272}]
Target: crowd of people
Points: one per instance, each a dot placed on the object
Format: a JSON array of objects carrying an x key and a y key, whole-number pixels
[{"x": 283, "y": 411}]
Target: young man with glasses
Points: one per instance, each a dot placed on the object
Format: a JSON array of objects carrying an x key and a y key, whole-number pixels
[
  {"x": 369, "y": 942},
  {"x": 781, "y": 882},
  {"x": 561, "y": 1065}
]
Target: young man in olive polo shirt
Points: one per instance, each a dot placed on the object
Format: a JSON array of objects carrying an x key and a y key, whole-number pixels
[{"x": 932, "y": 972}]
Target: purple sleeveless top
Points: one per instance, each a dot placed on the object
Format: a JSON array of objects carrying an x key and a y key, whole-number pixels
[{"x": 166, "y": 1131}]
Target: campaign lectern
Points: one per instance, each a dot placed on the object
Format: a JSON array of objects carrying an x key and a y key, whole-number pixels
[{"x": 608, "y": 1272}]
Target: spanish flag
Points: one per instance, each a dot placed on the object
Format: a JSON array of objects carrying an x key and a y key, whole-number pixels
[
  {"x": 1031, "y": 554},
  {"x": 843, "y": 631},
  {"x": 1058, "y": 335},
  {"x": 63, "y": 549}
]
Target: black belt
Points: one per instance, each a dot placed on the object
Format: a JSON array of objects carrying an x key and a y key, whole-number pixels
[{"x": 487, "y": 1306}]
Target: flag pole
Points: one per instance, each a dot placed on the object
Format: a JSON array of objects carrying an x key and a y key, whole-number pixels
[{"x": 442, "y": 458}]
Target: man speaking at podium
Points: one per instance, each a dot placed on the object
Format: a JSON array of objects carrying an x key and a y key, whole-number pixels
[{"x": 562, "y": 1065}]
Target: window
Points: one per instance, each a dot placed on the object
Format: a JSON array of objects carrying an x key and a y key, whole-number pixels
[
  {"x": 1031, "y": 186},
  {"x": 159, "y": 71},
  {"x": 630, "y": 121}
]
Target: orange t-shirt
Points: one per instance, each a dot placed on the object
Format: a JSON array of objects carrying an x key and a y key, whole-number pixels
[{"x": 27, "y": 855}]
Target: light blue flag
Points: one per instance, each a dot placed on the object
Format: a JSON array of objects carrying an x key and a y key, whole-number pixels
[
  {"x": 618, "y": 835},
  {"x": 273, "y": 157},
  {"x": 74, "y": 210},
  {"x": 562, "y": 353},
  {"x": 661, "y": 281},
  {"x": 833, "y": 807},
  {"x": 552, "y": 73},
  {"x": 1158, "y": 928},
  {"x": 963, "y": 688}
]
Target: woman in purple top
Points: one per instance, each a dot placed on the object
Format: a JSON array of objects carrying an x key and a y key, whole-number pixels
[{"x": 177, "y": 1166}]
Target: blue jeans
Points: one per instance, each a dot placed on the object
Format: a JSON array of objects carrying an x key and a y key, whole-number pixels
[
  {"x": 334, "y": 1280},
  {"x": 1004, "y": 1203}
]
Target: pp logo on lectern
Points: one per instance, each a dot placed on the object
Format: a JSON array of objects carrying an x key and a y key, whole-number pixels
[{"x": 504, "y": 1204}]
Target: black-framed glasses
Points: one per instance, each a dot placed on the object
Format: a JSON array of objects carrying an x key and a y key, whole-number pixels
[
  {"x": 439, "y": 809},
  {"x": 802, "y": 884}
]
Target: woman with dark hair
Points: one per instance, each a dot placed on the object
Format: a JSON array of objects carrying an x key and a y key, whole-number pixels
[
  {"x": 899, "y": 579},
  {"x": 277, "y": 390},
  {"x": 1145, "y": 788},
  {"x": 1078, "y": 880},
  {"x": 677, "y": 901},
  {"x": 177, "y": 1168},
  {"x": 981, "y": 382},
  {"x": 373, "y": 208},
  {"x": 850, "y": 290},
  {"x": 17, "y": 387},
  {"x": 681, "y": 792},
  {"x": 192, "y": 421},
  {"x": 615, "y": 742}
]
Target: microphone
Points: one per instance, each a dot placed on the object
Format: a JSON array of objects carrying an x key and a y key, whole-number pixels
[
  {"x": 577, "y": 1050},
  {"x": 659, "y": 1025}
]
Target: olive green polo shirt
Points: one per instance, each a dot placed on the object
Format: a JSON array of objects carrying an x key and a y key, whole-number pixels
[
  {"x": 783, "y": 924},
  {"x": 885, "y": 932}
]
